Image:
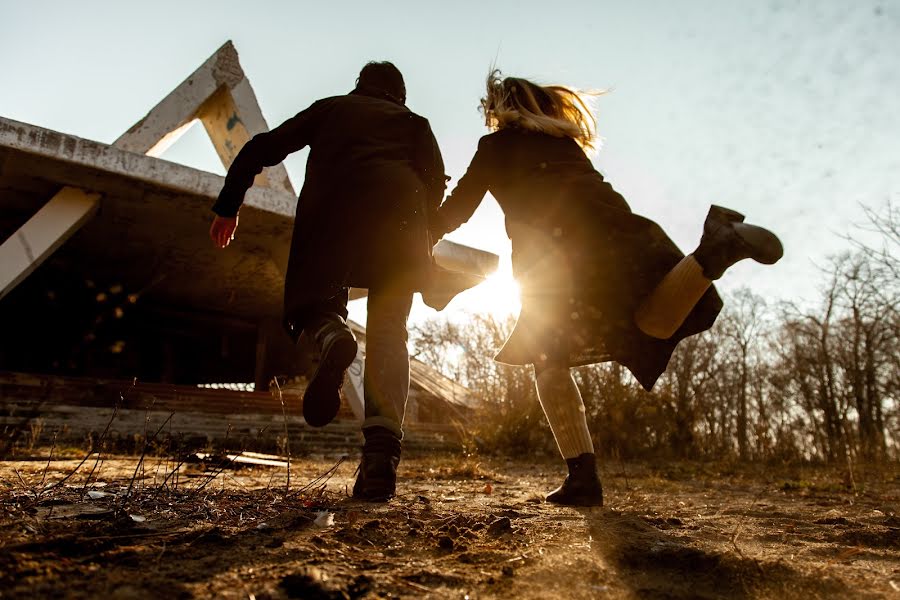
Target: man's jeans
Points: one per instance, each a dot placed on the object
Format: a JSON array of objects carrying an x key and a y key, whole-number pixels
[{"x": 386, "y": 377}]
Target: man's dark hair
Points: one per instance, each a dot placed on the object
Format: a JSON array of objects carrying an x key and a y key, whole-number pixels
[{"x": 382, "y": 79}]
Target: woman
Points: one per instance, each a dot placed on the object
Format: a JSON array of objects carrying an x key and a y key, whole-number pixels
[{"x": 598, "y": 282}]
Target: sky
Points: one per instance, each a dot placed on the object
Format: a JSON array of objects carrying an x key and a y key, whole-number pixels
[{"x": 788, "y": 111}]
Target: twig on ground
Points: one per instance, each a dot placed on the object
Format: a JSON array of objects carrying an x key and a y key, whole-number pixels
[
  {"x": 734, "y": 538},
  {"x": 323, "y": 478},
  {"x": 87, "y": 481},
  {"x": 21, "y": 481},
  {"x": 211, "y": 477},
  {"x": 183, "y": 454},
  {"x": 90, "y": 450},
  {"x": 271, "y": 479},
  {"x": 141, "y": 462},
  {"x": 49, "y": 459},
  {"x": 414, "y": 585},
  {"x": 737, "y": 531},
  {"x": 287, "y": 439},
  {"x": 171, "y": 473},
  {"x": 243, "y": 487}
]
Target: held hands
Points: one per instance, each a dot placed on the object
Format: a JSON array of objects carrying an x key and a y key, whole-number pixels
[{"x": 222, "y": 230}]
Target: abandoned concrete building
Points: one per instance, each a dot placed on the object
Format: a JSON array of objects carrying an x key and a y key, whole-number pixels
[{"x": 109, "y": 281}]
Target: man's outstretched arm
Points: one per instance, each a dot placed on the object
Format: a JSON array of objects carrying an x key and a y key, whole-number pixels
[{"x": 263, "y": 150}]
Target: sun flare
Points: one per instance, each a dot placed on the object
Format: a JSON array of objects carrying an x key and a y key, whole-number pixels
[{"x": 498, "y": 296}]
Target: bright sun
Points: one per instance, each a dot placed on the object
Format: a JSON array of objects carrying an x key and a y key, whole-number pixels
[{"x": 497, "y": 296}]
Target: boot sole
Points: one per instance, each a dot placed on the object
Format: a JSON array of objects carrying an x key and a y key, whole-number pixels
[
  {"x": 372, "y": 491},
  {"x": 763, "y": 246},
  {"x": 577, "y": 501},
  {"x": 322, "y": 399},
  {"x": 372, "y": 497}
]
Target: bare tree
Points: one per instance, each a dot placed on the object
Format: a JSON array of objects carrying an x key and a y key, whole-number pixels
[
  {"x": 886, "y": 223},
  {"x": 817, "y": 382},
  {"x": 741, "y": 328},
  {"x": 690, "y": 374}
]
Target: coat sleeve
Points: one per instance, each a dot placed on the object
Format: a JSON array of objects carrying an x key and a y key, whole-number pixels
[
  {"x": 429, "y": 165},
  {"x": 467, "y": 194},
  {"x": 265, "y": 150}
]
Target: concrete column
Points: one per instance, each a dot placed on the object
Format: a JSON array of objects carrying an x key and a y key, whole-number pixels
[{"x": 46, "y": 231}]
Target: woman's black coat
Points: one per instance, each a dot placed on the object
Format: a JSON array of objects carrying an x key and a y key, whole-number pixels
[
  {"x": 584, "y": 261},
  {"x": 373, "y": 175}
]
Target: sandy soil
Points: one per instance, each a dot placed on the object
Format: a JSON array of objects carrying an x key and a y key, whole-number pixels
[{"x": 460, "y": 528}]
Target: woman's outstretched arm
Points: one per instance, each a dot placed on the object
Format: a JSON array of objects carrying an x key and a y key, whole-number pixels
[{"x": 468, "y": 193}]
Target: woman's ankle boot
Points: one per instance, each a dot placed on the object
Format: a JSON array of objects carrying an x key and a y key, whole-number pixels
[
  {"x": 582, "y": 486},
  {"x": 727, "y": 239}
]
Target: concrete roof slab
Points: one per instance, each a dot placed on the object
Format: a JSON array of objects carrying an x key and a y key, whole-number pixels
[{"x": 151, "y": 229}]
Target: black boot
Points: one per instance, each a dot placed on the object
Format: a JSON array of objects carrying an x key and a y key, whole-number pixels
[
  {"x": 582, "y": 485},
  {"x": 337, "y": 351},
  {"x": 377, "y": 479},
  {"x": 727, "y": 239}
]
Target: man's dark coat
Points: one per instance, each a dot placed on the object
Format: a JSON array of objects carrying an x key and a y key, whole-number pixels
[{"x": 373, "y": 176}]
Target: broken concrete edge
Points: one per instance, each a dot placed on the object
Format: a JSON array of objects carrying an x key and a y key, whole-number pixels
[
  {"x": 54, "y": 145},
  {"x": 180, "y": 106}
]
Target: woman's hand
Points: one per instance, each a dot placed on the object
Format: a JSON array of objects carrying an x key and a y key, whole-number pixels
[{"x": 222, "y": 230}]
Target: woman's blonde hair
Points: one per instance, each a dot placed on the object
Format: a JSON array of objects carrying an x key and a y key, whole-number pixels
[{"x": 554, "y": 109}]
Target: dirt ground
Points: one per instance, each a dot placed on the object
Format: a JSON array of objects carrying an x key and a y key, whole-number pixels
[{"x": 460, "y": 528}]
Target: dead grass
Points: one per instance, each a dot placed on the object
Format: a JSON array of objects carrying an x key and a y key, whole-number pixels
[{"x": 459, "y": 526}]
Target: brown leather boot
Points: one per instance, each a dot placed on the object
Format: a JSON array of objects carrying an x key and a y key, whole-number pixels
[
  {"x": 337, "y": 351},
  {"x": 582, "y": 486},
  {"x": 727, "y": 239},
  {"x": 377, "y": 478}
]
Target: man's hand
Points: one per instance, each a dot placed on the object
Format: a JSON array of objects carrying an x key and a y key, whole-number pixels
[{"x": 222, "y": 230}]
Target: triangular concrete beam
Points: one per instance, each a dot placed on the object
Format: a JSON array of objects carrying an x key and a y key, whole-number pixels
[{"x": 220, "y": 96}]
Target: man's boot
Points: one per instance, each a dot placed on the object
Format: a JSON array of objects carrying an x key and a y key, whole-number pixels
[
  {"x": 727, "y": 239},
  {"x": 582, "y": 485},
  {"x": 377, "y": 478},
  {"x": 337, "y": 351}
]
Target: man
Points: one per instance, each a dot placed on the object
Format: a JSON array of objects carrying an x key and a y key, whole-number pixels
[{"x": 373, "y": 177}]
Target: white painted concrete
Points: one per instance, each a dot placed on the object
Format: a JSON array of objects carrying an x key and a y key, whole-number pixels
[{"x": 46, "y": 231}]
